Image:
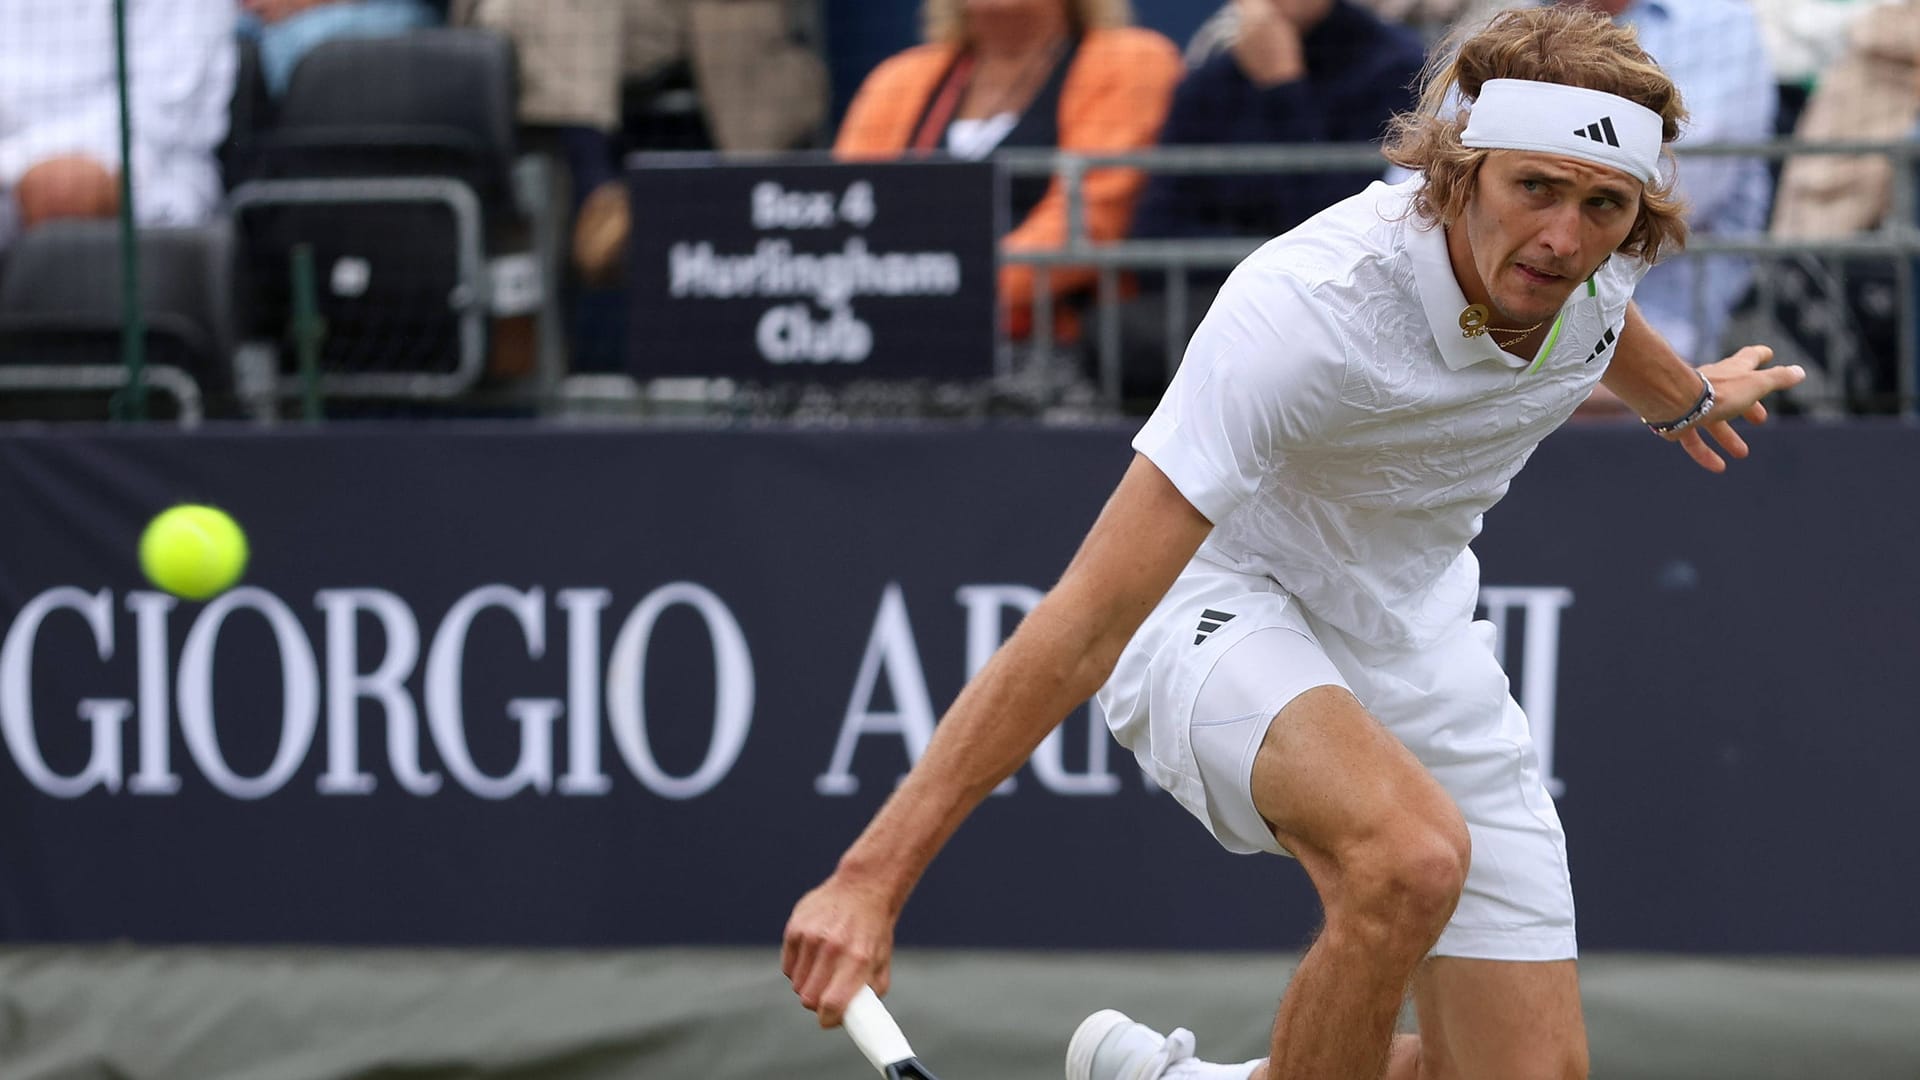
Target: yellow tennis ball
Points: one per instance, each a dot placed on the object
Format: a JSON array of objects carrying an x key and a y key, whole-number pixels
[{"x": 193, "y": 551}]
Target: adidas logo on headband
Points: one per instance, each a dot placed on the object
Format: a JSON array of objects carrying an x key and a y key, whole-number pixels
[
  {"x": 1600, "y": 130},
  {"x": 1519, "y": 114}
]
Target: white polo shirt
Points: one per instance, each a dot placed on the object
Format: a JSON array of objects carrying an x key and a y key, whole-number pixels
[{"x": 1344, "y": 437}]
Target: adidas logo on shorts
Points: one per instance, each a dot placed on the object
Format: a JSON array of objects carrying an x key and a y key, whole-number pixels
[{"x": 1211, "y": 620}]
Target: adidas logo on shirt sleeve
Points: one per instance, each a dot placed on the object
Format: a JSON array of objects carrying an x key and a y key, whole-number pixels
[{"x": 1601, "y": 346}]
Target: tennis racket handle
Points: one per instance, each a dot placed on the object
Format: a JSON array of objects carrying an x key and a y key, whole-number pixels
[{"x": 874, "y": 1031}]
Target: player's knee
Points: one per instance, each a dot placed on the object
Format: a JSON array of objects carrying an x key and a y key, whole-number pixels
[
  {"x": 1428, "y": 876},
  {"x": 1404, "y": 883}
]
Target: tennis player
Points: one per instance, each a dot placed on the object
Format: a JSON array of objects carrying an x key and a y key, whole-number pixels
[{"x": 1278, "y": 597}]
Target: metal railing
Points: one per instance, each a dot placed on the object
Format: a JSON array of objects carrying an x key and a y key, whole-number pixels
[
  {"x": 1896, "y": 242},
  {"x": 119, "y": 379},
  {"x": 1897, "y": 239}
]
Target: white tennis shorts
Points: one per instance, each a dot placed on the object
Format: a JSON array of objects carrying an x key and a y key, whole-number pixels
[{"x": 1225, "y": 652}]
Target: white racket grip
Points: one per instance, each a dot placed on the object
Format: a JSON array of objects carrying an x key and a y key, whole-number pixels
[{"x": 874, "y": 1031}]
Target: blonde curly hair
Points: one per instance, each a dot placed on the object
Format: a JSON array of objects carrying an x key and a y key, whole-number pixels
[
  {"x": 1559, "y": 44},
  {"x": 945, "y": 21}
]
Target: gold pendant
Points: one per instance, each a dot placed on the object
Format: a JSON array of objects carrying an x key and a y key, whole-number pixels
[{"x": 1473, "y": 321}]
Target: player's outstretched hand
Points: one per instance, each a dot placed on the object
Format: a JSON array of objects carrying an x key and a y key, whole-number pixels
[
  {"x": 839, "y": 939},
  {"x": 1739, "y": 382}
]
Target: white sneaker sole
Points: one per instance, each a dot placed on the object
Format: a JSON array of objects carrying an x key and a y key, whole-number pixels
[{"x": 1087, "y": 1039}]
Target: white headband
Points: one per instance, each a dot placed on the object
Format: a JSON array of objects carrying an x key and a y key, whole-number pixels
[{"x": 1552, "y": 118}]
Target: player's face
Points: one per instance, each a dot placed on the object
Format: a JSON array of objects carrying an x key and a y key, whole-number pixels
[{"x": 1536, "y": 227}]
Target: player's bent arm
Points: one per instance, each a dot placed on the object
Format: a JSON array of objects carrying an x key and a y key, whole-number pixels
[
  {"x": 840, "y": 935},
  {"x": 1058, "y": 657},
  {"x": 1654, "y": 381},
  {"x": 1647, "y": 374}
]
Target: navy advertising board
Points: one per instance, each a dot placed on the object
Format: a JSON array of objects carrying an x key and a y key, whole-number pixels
[
  {"x": 812, "y": 271},
  {"x": 490, "y": 685}
]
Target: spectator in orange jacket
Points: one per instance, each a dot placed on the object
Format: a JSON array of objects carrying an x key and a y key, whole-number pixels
[{"x": 1070, "y": 74}]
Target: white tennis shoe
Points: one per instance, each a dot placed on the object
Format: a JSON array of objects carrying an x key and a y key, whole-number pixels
[{"x": 1110, "y": 1046}]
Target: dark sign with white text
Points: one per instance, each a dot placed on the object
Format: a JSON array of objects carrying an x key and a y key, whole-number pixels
[
  {"x": 812, "y": 271},
  {"x": 499, "y": 686}
]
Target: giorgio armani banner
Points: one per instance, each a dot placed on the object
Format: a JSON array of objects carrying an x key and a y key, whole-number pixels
[{"x": 508, "y": 687}]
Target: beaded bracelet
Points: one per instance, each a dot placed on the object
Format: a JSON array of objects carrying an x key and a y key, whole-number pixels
[{"x": 1694, "y": 415}]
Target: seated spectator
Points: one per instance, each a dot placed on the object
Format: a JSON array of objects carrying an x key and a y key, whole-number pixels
[
  {"x": 1434, "y": 19},
  {"x": 1280, "y": 72},
  {"x": 1843, "y": 313},
  {"x": 1872, "y": 93},
  {"x": 1266, "y": 72},
  {"x": 1714, "y": 52},
  {"x": 1025, "y": 73},
  {"x": 289, "y": 29},
  {"x": 1805, "y": 38},
  {"x": 60, "y": 110},
  {"x": 760, "y": 87}
]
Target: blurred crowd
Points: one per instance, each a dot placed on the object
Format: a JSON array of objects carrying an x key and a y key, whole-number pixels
[{"x": 600, "y": 78}]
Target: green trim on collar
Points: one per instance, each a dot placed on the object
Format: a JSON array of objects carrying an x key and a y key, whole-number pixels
[{"x": 1553, "y": 334}]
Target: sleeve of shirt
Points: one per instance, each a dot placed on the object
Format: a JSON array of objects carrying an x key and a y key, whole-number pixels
[
  {"x": 1247, "y": 394},
  {"x": 89, "y": 127},
  {"x": 878, "y": 123},
  {"x": 56, "y": 90},
  {"x": 185, "y": 58},
  {"x": 1618, "y": 277}
]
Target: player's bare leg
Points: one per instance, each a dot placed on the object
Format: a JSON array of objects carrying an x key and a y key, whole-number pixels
[
  {"x": 1387, "y": 851},
  {"x": 1492, "y": 1018},
  {"x": 1497, "y": 1019},
  {"x": 1403, "y": 1061}
]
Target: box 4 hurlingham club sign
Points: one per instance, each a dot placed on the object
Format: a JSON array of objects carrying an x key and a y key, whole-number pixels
[{"x": 814, "y": 271}]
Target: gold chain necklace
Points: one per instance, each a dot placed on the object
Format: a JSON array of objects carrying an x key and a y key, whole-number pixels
[{"x": 1475, "y": 319}]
